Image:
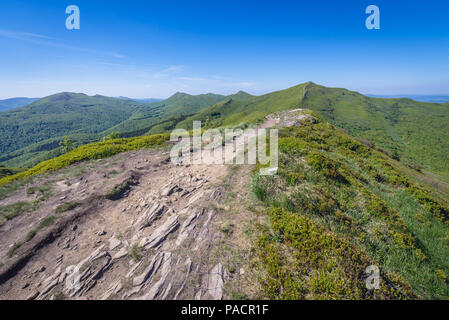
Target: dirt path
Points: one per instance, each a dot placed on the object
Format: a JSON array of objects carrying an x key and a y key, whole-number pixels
[
  {"x": 180, "y": 232},
  {"x": 151, "y": 244}
]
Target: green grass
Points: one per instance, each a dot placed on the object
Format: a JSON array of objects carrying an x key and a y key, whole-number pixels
[
  {"x": 10, "y": 211},
  {"x": 112, "y": 173},
  {"x": 31, "y": 234},
  {"x": 8, "y": 171},
  {"x": 306, "y": 261},
  {"x": 67, "y": 206},
  {"x": 413, "y": 131},
  {"x": 333, "y": 195},
  {"x": 119, "y": 190},
  {"x": 88, "y": 152},
  {"x": 31, "y": 134},
  {"x": 136, "y": 252}
]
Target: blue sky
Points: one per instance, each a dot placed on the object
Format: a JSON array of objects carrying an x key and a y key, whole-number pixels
[{"x": 155, "y": 48}]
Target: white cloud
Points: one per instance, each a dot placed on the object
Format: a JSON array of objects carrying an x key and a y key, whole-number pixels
[{"x": 169, "y": 71}]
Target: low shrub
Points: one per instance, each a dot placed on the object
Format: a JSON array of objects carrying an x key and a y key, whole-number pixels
[{"x": 91, "y": 151}]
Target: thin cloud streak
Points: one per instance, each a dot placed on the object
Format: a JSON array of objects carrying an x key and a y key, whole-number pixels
[
  {"x": 42, "y": 40},
  {"x": 20, "y": 35}
]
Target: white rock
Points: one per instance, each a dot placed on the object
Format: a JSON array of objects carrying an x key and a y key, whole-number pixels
[{"x": 114, "y": 243}]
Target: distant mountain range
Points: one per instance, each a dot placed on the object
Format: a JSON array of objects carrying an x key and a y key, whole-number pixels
[
  {"x": 405, "y": 128},
  {"x": 12, "y": 103},
  {"x": 31, "y": 134},
  {"x": 423, "y": 98},
  {"x": 337, "y": 203},
  {"x": 140, "y": 100}
]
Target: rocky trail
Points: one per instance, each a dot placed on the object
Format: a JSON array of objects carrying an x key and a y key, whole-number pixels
[{"x": 134, "y": 226}]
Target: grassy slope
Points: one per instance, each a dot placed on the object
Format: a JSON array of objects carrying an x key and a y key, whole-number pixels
[
  {"x": 31, "y": 134},
  {"x": 60, "y": 115},
  {"x": 169, "y": 111},
  {"x": 5, "y": 171},
  {"x": 416, "y": 131},
  {"x": 337, "y": 206},
  {"x": 248, "y": 110},
  {"x": 88, "y": 152}
]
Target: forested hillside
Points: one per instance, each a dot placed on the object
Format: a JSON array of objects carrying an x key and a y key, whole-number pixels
[{"x": 32, "y": 134}]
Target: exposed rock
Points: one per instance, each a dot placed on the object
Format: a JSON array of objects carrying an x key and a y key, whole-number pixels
[
  {"x": 133, "y": 269},
  {"x": 216, "y": 194},
  {"x": 150, "y": 215},
  {"x": 157, "y": 288},
  {"x": 196, "y": 197},
  {"x": 50, "y": 286},
  {"x": 114, "y": 289},
  {"x": 173, "y": 264},
  {"x": 91, "y": 268},
  {"x": 33, "y": 295},
  {"x": 114, "y": 243},
  {"x": 167, "y": 191},
  {"x": 120, "y": 254},
  {"x": 216, "y": 281},
  {"x": 187, "y": 226},
  {"x": 188, "y": 265},
  {"x": 159, "y": 235},
  {"x": 152, "y": 268},
  {"x": 209, "y": 217},
  {"x": 59, "y": 259},
  {"x": 40, "y": 269},
  {"x": 50, "y": 283}
]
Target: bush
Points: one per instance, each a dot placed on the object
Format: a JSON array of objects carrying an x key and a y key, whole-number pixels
[
  {"x": 121, "y": 189},
  {"x": 136, "y": 252},
  {"x": 321, "y": 162},
  {"x": 313, "y": 263}
]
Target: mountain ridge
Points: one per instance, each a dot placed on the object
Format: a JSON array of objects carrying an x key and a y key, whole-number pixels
[
  {"x": 333, "y": 207},
  {"x": 400, "y": 126},
  {"x": 16, "y": 102},
  {"x": 415, "y": 131}
]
